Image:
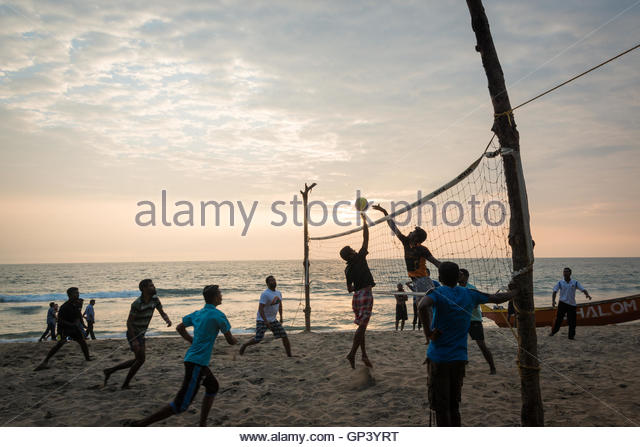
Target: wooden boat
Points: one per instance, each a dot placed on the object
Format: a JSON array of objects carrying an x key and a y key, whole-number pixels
[{"x": 592, "y": 313}]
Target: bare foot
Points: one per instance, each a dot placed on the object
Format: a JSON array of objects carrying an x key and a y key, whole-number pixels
[
  {"x": 492, "y": 372},
  {"x": 367, "y": 363},
  {"x": 352, "y": 361},
  {"x": 125, "y": 386},
  {"x": 242, "y": 348}
]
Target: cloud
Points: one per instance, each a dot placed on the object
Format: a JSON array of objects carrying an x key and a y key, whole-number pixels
[{"x": 259, "y": 97}]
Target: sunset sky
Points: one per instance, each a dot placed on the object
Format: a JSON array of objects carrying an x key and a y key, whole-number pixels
[{"x": 106, "y": 104}]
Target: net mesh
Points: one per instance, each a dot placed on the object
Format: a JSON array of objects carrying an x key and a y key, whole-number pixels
[{"x": 466, "y": 220}]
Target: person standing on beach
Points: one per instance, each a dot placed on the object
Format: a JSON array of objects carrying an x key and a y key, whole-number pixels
[
  {"x": 447, "y": 351},
  {"x": 206, "y": 322},
  {"x": 51, "y": 322},
  {"x": 137, "y": 324},
  {"x": 360, "y": 282},
  {"x": 90, "y": 316},
  {"x": 267, "y": 318},
  {"x": 416, "y": 298},
  {"x": 476, "y": 331},
  {"x": 69, "y": 326},
  {"x": 416, "y": 255},
  {"x": 401, "y": 308},
  {"x": 567, "y": 305}
]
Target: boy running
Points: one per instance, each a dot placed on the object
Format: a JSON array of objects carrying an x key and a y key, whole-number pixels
[
  {"x": 137, "y": 324},
  {"x": 206, "y": 322},
  {"x": 69, "y": 326}
]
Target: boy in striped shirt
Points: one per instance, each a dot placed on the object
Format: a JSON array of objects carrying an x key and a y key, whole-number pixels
[{"x": 139, "y": 318}]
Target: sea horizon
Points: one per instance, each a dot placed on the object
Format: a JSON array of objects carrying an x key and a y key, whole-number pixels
[{"x": 27, "y": 289}]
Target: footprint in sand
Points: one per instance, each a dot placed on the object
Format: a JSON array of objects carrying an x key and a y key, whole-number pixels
[{"x": 362, "y": 379}]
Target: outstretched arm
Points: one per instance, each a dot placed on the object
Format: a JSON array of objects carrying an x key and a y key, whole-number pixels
[
  {"x": 165, "y": 317},
  {"x": 583, "y": 290},
  {"x": 434, "y": 261},
  {"x": 391, "y": 223},
  {"x": 498, "y": 298},
  {"x": 365, "y": 235}
]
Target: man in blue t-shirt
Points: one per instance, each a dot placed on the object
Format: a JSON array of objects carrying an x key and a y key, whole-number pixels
[
  {"x": 447, "y": 352},
  {"x": 206, "y": 322}
]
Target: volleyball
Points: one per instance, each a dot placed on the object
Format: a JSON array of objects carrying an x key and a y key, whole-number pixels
[{"x": 361, "y": 204}]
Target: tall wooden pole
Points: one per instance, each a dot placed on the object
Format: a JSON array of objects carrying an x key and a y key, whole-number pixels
[
  {"x": 519, "y": 231},
  {"x": 307, "y": 300}
]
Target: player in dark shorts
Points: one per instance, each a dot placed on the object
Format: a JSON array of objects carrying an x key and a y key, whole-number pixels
[
  {"x": 401, "y": 308},
  {"x": 69, "y": 326},
  {"x": 137, "y": 324},
  {"x": 360, "y": 282},
  {"x": 447, "y": 339},
  {"x": 416, "y": 255},
  {"x": 206, "y": 322},
  {"x": 476, "y": 331},
  {"x": 51, "y": 322}
]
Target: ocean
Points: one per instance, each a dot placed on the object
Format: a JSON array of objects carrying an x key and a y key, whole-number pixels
[{"x": 27, "y": 289}]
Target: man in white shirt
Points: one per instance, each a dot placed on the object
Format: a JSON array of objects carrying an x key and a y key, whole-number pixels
[
  {"x": 90, "y": 315},
  {"x": 267, "y": 318},
  {"x": 567, "y": 305}
]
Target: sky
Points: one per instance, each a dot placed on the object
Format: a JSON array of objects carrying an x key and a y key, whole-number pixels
[{"x": 104, "y": 105}]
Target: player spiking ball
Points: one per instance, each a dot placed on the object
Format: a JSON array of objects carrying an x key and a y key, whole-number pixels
[{"x": 416, "y": 254}]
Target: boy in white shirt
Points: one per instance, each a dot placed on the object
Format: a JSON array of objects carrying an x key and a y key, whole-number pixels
[{"x": 267, "y": 318}]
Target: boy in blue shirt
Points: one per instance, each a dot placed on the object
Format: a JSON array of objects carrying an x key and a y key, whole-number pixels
[
  {"x": 447, "y": 352},
  {"x": 206, "y": 322}
]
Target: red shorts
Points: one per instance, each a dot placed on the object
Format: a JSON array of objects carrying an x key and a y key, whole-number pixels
[{"x": 362, "y": 305}]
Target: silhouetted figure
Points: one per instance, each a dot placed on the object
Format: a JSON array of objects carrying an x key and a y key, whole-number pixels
[
  {"x": 90, "y": 317},
  {"x": 137, "y": 324},
  {"x": 360, "y": 282},
  {"x": 69, "y": 326},
  {"x": 206, "y": 322},
  {"x": 476, "y": 331},
  {"x": 51, "y": 322},
  {"x": 447, "y": 352}
]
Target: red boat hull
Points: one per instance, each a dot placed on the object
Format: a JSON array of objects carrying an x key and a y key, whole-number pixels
[{"x": 595, "y": 313}]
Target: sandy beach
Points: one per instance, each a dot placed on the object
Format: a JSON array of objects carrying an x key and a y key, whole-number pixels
[{"x": 592, "y": 381}]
